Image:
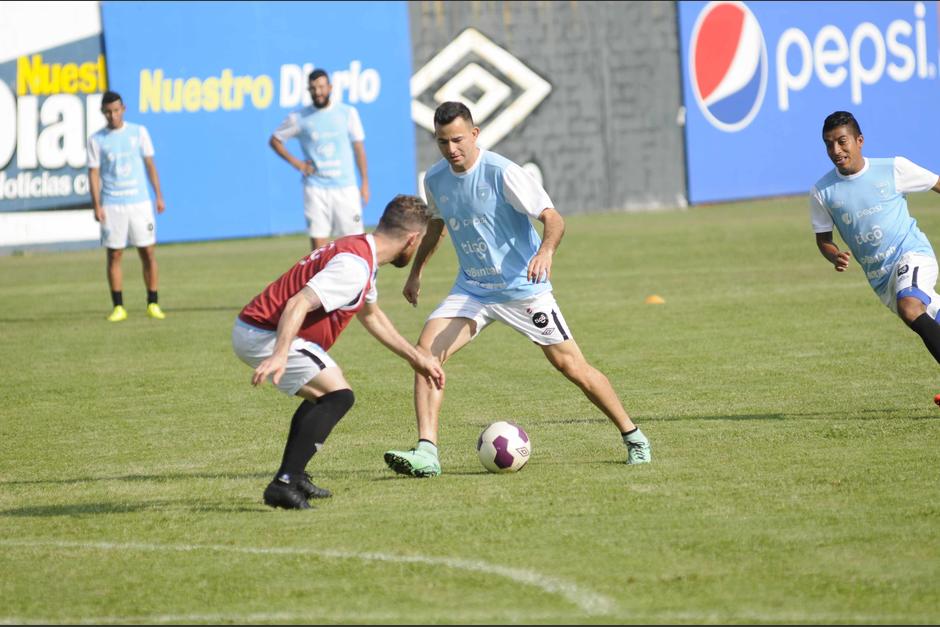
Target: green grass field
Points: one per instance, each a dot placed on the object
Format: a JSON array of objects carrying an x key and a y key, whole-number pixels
[{"x": 795, "y": 445}]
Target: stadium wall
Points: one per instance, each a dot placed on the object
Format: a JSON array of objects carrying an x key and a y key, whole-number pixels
[
  {"x": 614, "y": 105},
  {"x": 585, "y": 93}
]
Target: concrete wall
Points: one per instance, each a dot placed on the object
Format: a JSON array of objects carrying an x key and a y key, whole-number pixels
[{"x": 606, "y": 136}]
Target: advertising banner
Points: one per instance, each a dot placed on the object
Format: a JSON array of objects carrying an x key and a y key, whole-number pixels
[
  {"x": 759, "y": 78},
  {"x": 49, "y": 103},
  {"x": 212, "y": 81}
]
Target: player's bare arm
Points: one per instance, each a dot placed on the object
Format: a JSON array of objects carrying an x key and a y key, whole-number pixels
[
  {"x": 306, "y": 167},
  {"x": 94, "y": 185},
  {"x": 936, "y": 186},
  {"x": 432, "y": 237},
  {"x": 540, "y": 266},
  {"x": 155, "y": 183},
  {"x": 838, "y": 258},
  {"x": 296, "y": 309},
  {"x": 359, "y": 149},
  {"x": 381, "y": 328}
]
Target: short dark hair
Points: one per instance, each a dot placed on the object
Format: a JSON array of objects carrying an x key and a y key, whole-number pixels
[
  {"x": 403, "y": 214},
  {"x": 841, "y": 118},
  {"x": 109, "y": 97},
  {"x": 450, "y": 111},
  {"x": 314, "y": 75}
]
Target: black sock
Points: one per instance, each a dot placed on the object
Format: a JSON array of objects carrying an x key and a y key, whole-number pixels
[
  {"x": 626, "y": 433},
  {"x": 929, "y": 331},
  {"x": 310, "y": 427},
  {"x": 151, "y": 296},
  {"x": 117, "y": 298}
]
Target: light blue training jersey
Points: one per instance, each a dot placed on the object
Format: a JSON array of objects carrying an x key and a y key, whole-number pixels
[
  {"x": 118, "y": 154},
  {"x": 870, "y": 210},
  {"x": 487, "y": 210},
  {"x": 326, "y": 137}
]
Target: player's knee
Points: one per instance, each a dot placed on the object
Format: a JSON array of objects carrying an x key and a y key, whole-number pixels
[
  {"x": 344, "y": 399},
  {"x": 910, "y": 308}
]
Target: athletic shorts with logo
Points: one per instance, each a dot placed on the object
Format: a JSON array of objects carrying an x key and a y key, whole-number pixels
[
  {"x": 538, "y": 318},
  {"x": 305, "y": 360},
  {"x": 132, "y": 223},
  {"x": 914, "y": 275},
  {"x": 332, "y": 211}
]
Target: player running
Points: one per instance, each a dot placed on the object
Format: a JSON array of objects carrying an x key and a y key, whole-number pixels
[
  {"x": 486, "y": 201},
  {"x": 865, "y": 199}
]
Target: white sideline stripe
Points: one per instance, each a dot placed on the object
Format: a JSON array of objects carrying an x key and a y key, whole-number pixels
[{"x": 587, "y": 601}]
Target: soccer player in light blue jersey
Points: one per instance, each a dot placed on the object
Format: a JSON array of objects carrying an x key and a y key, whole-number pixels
[
  {"x": 865, "y": 200},
  {"x": 486, "y": 201},
  {"x": 120, "y": 160},
  {"x": 331, "y": 137}
]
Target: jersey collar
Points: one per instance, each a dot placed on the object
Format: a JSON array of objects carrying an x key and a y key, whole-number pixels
[
  {"x": 849, "y": 177},
  {"x": 475, "y": 165}
]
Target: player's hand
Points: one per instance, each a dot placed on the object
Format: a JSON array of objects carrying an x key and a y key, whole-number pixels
[
  {"x": 430, "y": 367},
  {"x": 99, "y": 215},
  {"x": 364, "y": 192},
  {"x": 411, "y": 290},
  {"x": 540, "y": 268},
  {"x": 271, "y": 366},
  {"x": 841, "y": 262},
  {"x": 306, "y": 168},
  {"x": 161, "y": 205}
]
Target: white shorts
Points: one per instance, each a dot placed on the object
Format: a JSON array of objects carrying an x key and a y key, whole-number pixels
[
  {"x": 915, "y": 274},
  {"x": 537, "y": 318},
  {"x": 332, "y": 211},
  {"x": 133, "y": 222},
  {"x": 304, "y": 361}
]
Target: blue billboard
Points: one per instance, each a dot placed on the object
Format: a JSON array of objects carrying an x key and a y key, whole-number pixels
[
  {"x": 759, "y": 78},
  {"x": 49, "y": 102},
  {"x": 212, "y": 81}
]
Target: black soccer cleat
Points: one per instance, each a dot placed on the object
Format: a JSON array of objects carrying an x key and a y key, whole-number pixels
[
  {"x": 310, "y": 489},
  {"x": 284, "y": 495}
]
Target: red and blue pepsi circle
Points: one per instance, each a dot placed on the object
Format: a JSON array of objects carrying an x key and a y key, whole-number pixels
[{"x": 728, "y": 64}]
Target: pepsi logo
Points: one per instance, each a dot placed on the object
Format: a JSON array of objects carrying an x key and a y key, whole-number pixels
[{"x": 728, "y": 65}]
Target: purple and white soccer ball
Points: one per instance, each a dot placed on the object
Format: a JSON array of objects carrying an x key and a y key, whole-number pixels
[{"x": 504, "y": 447}]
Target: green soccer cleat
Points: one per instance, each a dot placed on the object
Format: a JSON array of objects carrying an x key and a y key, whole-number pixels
[
  {"x": 413, "y": 463},
  {"x": 638, "y": 448},
  {"x": 118, "y": 315},
  {"x": 154, "y": 311}
]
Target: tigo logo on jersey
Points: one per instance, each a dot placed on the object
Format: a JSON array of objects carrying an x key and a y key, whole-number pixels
[{"x": 728, "y": 65}]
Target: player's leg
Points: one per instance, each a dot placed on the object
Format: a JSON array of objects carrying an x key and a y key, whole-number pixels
[
  {"x": 148, "y": 261},
  {"x": 568, "y": 359},
  {"x": 915, "y": 299},
  {"x": 450, "y": 327},
  {"x": 311, "y": 374},
  {"x": 317, "y": 215},
  {"x": 540, "y": 320},
  {"x": 114, "y": 239},
  {"x": 142, "y": 233},
  {"x": 327, "y": 398}
]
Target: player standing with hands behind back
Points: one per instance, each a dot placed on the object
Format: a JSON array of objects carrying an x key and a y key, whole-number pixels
[
  {"x": 865, "y": 199},
  {"x": 118, "y": 156}
]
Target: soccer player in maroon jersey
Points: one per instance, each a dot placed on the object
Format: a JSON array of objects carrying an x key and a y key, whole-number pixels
[{"x": 284, "y": 333}]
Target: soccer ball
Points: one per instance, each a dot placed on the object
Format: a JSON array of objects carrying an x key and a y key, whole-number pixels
[{"x": 504, "y": 447}]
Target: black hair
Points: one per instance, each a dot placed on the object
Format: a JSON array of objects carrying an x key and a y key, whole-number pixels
[
  {"x": 450, "y": 111},
  {"x": 109, "y": 97},
  {"x": 314, "y": 75},
  {"x": 841, "y": 118}
]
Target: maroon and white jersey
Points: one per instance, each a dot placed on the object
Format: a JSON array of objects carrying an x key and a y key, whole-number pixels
[{"x": 342, "y": 274}]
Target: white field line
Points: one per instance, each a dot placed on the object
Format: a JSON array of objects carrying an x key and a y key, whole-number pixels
[{"x": 587, "y": 601}]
